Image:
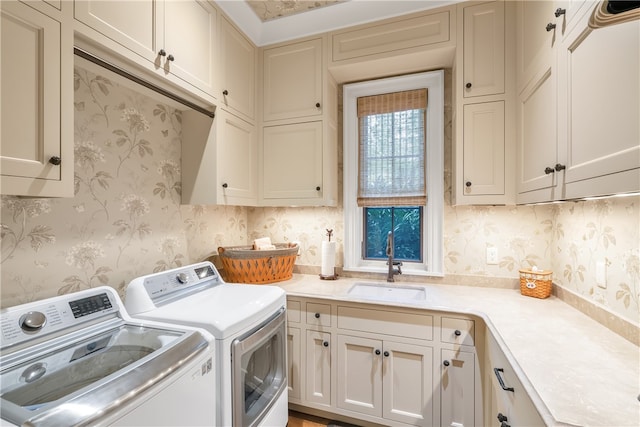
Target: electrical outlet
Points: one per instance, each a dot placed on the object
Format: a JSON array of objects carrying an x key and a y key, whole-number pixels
[
  {"x": 601, "y": 274},
  {"x": 492, "y": 255}
]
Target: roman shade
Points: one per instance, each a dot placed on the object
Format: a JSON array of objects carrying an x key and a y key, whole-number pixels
[{"x": 391, "y": 139}]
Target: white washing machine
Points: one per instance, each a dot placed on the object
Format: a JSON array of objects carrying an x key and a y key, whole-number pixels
[
  {"x": 80, "y": 360},
  {"x": 248, "y": 323}
]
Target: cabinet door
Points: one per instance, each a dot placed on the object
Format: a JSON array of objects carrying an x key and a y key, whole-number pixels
[
  {"x": 511, "y": 400},
  {"x": 238, "y": 71},
  {"x": 408, "y": 384},
  {"x": 599, "y": 110},
  {"x": 135, "y": 25},
  {"x": 484, "y": 42},
  {"x": 293, "y": 81},
  {"x": 537, "y": 105},
  {"x": 294, "y": 363},
  {"x": 359, "y": 375},
  {"x": 189, "y": 38},
  {"x": 534, "y": 43},
  {"x": 483, "y": 151},
  {"x": 237, "y": 160},
  {"x": 318, "y": 369},
  {"x": 457, "y": 388},
  {"x": 292, "y": 161},
  {"x": 36, "y": 140}
]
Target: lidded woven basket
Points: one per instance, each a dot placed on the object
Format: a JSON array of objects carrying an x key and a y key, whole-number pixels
[
  {"x": 243, "y": 264},
  {"x": 536, "y": 283}
]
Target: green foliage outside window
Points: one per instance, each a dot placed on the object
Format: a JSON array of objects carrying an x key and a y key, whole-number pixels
[{"x": 406, "y": 223}]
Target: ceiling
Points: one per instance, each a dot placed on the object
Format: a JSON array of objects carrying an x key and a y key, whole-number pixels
[{"x": 271, "y": 21}]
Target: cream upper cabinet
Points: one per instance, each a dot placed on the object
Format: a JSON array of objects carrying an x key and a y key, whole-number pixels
[
  {"x": 136, "y": 25},
  {"x": 190, "y": 34},
  {"x": 173, "y": 39},
  {"x": 483, "y": 49},
  {"x": 292, "y": 161},
  {"x": 577, "y": 132},
  {"x": 298, "y": 150},
  {"x": 238, "y": 62},
  {"x": 36, "y": 145},
  {"x": 599, "y": 109},
  {"x": 394, "y": 46},
  {"x": 484, "y": 89},
  {"x": 293, "y": 81},
  {"x": 484, "y": 148},
  {"x": 219, "y": 160},
  {"x": 537, "y": 106}
]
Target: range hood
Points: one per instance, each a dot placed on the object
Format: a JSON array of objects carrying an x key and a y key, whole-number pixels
[{"x": 611, "y": 12}]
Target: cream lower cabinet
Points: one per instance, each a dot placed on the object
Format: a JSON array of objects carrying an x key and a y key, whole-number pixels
[
  {"x": 385, "y": 379},
  {"x": 36, "y": 141},
  {"x": 458, "y": 394},
  {"x": 508, "y": 402},
  {"x": 294, "y": 354},
  {"x": 318, "y": 371},
  {"x": 385, "y": 365}
]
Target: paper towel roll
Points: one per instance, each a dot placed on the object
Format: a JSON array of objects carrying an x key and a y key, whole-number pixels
[{"x": 328, "y": 254}]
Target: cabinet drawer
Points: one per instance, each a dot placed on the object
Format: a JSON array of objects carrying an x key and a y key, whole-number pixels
[
  {"x": 457, "y": 331},
  {"x": 318, "y": 314},
  {"x": 390, "y": 37},
  {"x": 293, "y": 311},
  {"x": 402, "y": 324}
]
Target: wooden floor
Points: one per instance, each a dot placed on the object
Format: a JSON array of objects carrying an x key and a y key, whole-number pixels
[
  {"x": 297, "y": 419},
  {"x": 302, "y": 420}
]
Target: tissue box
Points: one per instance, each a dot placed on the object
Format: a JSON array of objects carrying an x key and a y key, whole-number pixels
[
  {"x": 535, "y": 283},
  {"x": 243, "y": 264}
]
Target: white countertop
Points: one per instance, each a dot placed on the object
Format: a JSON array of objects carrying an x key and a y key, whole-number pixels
[{"x": 576, "y": 371}]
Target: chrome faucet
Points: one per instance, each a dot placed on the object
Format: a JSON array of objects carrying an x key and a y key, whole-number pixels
[{"x": 391, "y": 263}]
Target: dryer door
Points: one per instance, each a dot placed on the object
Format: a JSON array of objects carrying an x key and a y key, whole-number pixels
[{"x": 259, "y": 371}]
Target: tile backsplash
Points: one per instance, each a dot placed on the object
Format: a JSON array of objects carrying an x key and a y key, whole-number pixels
[{"x": 126, "y": 219}]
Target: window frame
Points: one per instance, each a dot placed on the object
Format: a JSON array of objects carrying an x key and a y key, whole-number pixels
[{"x": 433, "y": 214}]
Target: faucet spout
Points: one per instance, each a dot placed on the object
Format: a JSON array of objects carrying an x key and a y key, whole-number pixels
[{"x": 390, "y": 262}]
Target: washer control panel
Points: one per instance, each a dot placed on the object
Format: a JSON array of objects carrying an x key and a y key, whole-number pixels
[
  {"x": 28, "y": 321},
  {"x": 163, "y": 285}
]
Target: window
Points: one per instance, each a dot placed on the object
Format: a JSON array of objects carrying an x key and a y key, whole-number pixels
[{"x": 393, "y": 172}]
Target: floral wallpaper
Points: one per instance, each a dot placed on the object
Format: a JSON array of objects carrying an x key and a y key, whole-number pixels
[{"x": 126, "y": 219}]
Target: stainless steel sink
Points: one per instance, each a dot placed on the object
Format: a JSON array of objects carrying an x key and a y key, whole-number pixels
[{"x": 382, "y": 292}]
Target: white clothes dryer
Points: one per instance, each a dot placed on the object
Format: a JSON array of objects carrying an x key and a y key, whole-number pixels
[{"x": 248, "y": 324}]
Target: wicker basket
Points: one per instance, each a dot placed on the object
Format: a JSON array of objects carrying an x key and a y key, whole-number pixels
[
  {"x": 535, "y": 283},
  {"x": 243, "y": 264}
]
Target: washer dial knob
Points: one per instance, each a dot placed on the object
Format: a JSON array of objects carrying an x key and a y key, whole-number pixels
[
  {"x": 182, "y": 278},
  {"x": 32, "y": 321}
]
